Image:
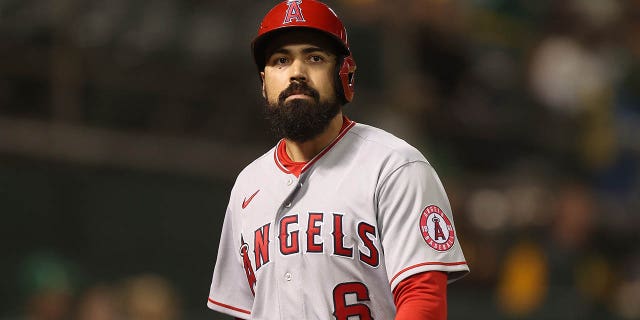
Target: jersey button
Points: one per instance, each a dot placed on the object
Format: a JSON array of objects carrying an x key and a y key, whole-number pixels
[
  {"x": 288, "y": 276},
  {"x": 288, "y": 204},
  {"x": 289, "y": 181}
]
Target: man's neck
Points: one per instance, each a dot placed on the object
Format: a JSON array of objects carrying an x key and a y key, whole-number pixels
[{"x": 305, "y": 151}]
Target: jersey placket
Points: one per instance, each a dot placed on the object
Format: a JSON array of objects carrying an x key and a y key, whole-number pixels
[{"x": 288, "y": 280}]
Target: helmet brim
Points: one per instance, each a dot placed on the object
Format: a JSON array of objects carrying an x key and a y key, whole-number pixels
[{"x": 259, "y": 44}]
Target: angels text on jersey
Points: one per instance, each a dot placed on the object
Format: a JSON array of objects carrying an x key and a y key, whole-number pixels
[{"x": 321, "y": 234}]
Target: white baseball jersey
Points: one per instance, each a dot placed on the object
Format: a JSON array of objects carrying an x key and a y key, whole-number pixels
[{"x": 364, "y": 214}]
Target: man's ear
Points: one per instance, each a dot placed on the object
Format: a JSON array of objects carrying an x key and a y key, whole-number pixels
[{"x": 264, "y": 90}]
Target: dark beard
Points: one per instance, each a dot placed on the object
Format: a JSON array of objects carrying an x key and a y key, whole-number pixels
[{"x": 300, "y": 120}]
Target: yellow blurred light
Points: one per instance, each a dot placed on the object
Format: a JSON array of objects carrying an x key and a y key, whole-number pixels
[{"x": 523, "y": 283}]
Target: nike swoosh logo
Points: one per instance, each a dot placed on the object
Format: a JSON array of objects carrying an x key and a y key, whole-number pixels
[{"x": 246, "y": 201}]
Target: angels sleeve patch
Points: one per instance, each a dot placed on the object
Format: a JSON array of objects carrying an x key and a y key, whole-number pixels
[{"x": 436, "y": 229}]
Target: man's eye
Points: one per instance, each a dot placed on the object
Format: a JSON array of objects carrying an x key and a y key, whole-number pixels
[
  {"x": 316, "y": 58},
  {"x": 281, "y": 60}
]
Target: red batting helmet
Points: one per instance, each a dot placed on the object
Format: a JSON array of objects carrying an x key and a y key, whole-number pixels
[{"x": 310, "y": 14}]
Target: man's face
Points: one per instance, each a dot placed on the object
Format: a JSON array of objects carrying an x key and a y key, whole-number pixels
[{"x": 299, "y": 84}]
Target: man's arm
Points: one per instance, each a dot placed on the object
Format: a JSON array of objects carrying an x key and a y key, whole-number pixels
[{"x": 422, "y": 296}]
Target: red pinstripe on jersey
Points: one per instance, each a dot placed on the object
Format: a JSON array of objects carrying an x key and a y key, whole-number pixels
[
  {"x": 229, "y": 307},
  {"x": 426, "y": 264}
]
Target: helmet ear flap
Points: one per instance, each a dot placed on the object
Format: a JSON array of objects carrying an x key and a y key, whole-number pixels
[{"x": 347, "y": 77}]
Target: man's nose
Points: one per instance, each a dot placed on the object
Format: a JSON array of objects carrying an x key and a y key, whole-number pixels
[{"x": 298, "y": 71}]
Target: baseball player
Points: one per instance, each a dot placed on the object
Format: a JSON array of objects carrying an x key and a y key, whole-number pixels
[{"x": 339, "y": 220}]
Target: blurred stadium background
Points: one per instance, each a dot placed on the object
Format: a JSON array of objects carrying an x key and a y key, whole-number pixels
[{"x": 123, "y": 124}]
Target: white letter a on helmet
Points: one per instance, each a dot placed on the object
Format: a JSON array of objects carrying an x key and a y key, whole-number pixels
[{"x": 294, "y": 12}]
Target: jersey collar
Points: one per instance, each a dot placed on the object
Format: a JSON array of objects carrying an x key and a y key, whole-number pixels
[{"x": 288, "y": 166}]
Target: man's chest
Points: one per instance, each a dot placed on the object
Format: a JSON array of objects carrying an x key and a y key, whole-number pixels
[{"x": 309, "y": 218}]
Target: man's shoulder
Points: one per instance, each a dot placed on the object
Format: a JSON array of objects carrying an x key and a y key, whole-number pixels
[
  {"x": 259, "y": 164},
  {"x": 382, "y": 143},
  {"x": 258, "y": 170}
]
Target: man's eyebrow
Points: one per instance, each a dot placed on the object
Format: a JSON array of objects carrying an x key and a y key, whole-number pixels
[
  {"x": 279, "y": 51},
  {"x": 305, "y": 50},
  {"x": 314, "y": 49}
]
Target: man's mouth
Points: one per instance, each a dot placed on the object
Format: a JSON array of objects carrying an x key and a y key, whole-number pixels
[
  {"x": 298, "y": 92},
  {"x": 299, "y": 95}
]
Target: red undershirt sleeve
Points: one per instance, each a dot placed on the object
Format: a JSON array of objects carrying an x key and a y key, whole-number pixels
[{"x": 422, "y": 296}]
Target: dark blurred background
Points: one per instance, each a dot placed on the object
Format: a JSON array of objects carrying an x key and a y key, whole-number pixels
[{"x": 123, "y": 124}]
